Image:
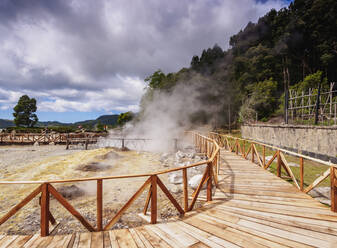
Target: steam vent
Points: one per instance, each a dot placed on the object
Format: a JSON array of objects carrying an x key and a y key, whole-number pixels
[{"x": 175, "y": 123}]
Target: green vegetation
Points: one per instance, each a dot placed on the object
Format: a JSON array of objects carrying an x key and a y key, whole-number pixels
[
  {"x": 285, "y": 49},
  {"x": 123, "y": 118},
  {"x": 24, "y": 112}
]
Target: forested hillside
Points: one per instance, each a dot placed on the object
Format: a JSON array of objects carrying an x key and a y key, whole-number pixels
[{"x": 291, "y": 47}]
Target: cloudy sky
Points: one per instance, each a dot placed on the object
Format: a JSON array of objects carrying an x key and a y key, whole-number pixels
[{"x": 83, "y": 58}]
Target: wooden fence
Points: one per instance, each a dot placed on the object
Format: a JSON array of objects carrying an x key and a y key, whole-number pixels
[
  {"x": 238, "y": 145},
  {"x": 152, "y": 182},
  {"x": 44, "y": 138}
]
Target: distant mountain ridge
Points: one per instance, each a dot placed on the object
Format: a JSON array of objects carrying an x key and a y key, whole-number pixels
[{"x": 103, "y": 119}]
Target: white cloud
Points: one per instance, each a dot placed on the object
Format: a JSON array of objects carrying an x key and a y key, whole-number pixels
[{"x": 93, "y": 55}]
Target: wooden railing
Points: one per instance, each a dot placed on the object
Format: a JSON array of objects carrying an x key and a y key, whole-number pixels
[
  {"x": 23, "y": 138},
  {"x": 152, "y": 182},
  {"x": 238, "y": 146}
]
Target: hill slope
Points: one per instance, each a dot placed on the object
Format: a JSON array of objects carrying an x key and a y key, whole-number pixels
[{"x": 104, "y": 119}]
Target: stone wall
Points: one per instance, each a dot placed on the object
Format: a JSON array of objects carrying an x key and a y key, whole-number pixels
[{"x": 314, "y": 141}]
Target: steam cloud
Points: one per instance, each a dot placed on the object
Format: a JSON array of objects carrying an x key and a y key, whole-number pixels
[{"x": 170, "y": 114}]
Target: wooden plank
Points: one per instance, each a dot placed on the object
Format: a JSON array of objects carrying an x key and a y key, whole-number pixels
[
  {"x": 136, "y": 238},
  {"x": 70, "y": 208},
  {"x": 124, "y": 238},
  {"x": 280, "y": 225},
  {"x": 127, "y": 205},
  {"x": 221, "y": 232},
  {"x": 146, "y": 243},
  {"x": 271, "y": 160},
  {"x": 203, "y": 236},
  {"x": 29, "y": 243},
  {"x": 154, "y": 239},
  {"x": 185, "y": 239},
  {"x": 258, "y": 156},
  {"x": 20, "y": 205},
  {"x": 113, "y": 239},
  {"x": 289, "y": 170},
  {"x": 164, "y": 236},
  {"x": 197, "y": 191},
  {"x": 20, "y": 241},
  {"x": 257, "y": 236},
  {"x": 97, "y": 240},
  {"x": 317, "y": 181},
  {"x": 85, "y": 240},
  {"x": 148, "y": 198},
  {"x": 106, "y": 240},
  {"x": 169, "y": 196},
  {"x": 7, "y": 240}
]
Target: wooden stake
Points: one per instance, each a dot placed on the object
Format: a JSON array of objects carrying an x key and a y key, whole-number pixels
[
  {"x": 301, "y": 173},
  {"x": 264, "y": 156},
  {"x": 209, "y": 182},
  {"x": 153, "y": 199},
  {"x": 333, "y": 189},
  {"x": 278, "y": 163},
  {"x": 99, "y": 205},
  {"x": 44, "y": 221},
  {"x": 185, "y": 189}
]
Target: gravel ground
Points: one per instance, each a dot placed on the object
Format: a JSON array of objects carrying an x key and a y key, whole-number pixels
[{"x": 54, "y": 162}]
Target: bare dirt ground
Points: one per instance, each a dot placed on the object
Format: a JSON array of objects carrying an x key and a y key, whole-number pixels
[{"x": 54, "y": 162}]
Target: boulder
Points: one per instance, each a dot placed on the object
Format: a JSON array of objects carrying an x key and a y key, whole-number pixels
[
  {"x": 175, "y": 189},
  {"x": 180, "y": 155},
  {"x": 320, "y": 192},
  {"x": 194, "y": 181},
  {"x": 52, "y": 143},
  {"x": 175, "y": 178}
]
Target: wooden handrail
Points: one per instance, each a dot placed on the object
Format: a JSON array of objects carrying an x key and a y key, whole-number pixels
[
  {"x": 282, "y": 163},
  {"x": 205, "y": 144},
  {"x": 281, "y": 149}
]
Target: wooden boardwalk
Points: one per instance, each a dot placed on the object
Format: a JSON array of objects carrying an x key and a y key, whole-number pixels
[{"x": 251, "y": 208}]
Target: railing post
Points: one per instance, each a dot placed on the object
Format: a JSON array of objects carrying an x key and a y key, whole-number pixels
[
  {"x": 243, "y": 149},
  {"x": 209, "y": 182},
  {"x": 333, "y": 189},
  {"x": 237, "y": 147},
  {"x": 153, "y": 199},
  {"x": 185, "y": 190},
  {"x": 99, "y": 205},
  {"x": 264, "y": 156},
  {"x": 278, "y": 163},
  {"x": 301, "y": 173},
  {"x": 252, "y": 150},
  {"x": 44, "y": 221}
]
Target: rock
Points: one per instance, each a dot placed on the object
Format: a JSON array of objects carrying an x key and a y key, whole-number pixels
[
  {"x": 36, "y": 143},
  {"x": 194, "y": 181},
  {"x": 320, "y": 192},
  {"x": 52, "y": 143},
  {"x": 175, "y": 178},
  {"x": 180, "y": 155},
  {"x": 175, "y": 189},
  {"x": 70, "y": 192},
  {"x": 164, "y": 156},
  {"x": 94, "y": 166},
  {"x": 268, "y": 158}
]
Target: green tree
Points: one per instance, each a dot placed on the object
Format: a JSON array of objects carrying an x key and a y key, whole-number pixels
[
  {"x": 99, "y": 126},
  {"x": 124, "y": 118},
  {"x": 24, "y": 112}
]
